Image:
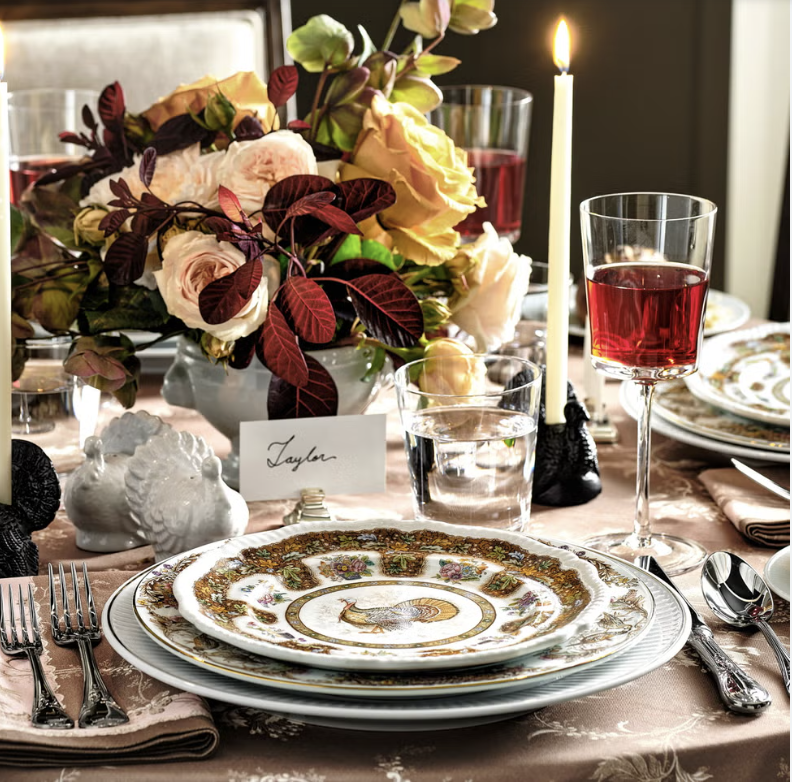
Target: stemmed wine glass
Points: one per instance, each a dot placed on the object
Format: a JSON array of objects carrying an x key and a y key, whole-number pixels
[{"x": 647, "y": 258}]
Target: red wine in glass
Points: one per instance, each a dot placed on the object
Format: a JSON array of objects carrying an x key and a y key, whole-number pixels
[
  {"x": 27, "y": 170},
  {"x": 500, "y": 179},
  {"x": 647, "y": 316}
]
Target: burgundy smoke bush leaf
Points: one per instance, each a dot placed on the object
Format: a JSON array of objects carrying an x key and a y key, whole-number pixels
[
  {"x": 357, "y": 267},
  {"x": 310, "y": 204},
  {"x": 388, "y": 308},
  {"x": 338, "y": 219},
  {"x": 244, "y": 350},
  {"x": 289, "y": 190},
  {"x": 363, "y": 198},
  {"x": 141, "y": 224},
  {"x": 318, "y": 397},
  {"x": 298, "y": 124},
  {"x": 282, "y": 84},
  {"x": 248, "y": 129},
  {"x": 180, "y": 132},
  {"x": 112, "y": 221},
  {"x": 126, "y": 258},
  {"x": 88, "y": 119},
  {"x": 73, "y": 138},
  {"x": 306, "y": 305},
  {"x": 223, "y": 298},
  {"x": 120, "y": 189},
  {"x": 277, "y": 350},
  {"x": 221, "y": 227},
  {"x": 230, "y": 205},
  {"x": 148, "y": 164},
  {"x": 112, "y": 106}
]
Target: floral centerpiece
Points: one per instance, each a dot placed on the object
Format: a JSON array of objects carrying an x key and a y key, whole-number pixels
[{"x": 202, "y": 216}]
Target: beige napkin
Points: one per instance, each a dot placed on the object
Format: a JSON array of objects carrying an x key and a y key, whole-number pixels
[
  {"x": 759, "y": 515},
  {"x": 165, "y": 723}
]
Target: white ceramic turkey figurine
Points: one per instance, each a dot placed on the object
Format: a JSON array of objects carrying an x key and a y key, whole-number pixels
[
  {"x": 95, "y": 493},
  {"x": 175, "y": 491}
]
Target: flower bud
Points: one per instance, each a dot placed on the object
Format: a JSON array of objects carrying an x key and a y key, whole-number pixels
[
  {"x": 470, "y": 16},
  {"x": 215, "y": 348},
  {"x": 219, "y": 112},
  {"x": 451, "y": 369},
  {"x": 435, "y": 314},
  {"x": 86, "y": 226}
]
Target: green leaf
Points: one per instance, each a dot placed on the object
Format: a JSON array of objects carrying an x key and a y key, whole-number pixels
[
  {"x": 350, "y": 248},
  {"x": 123, "y": 307},
  {"x": 377, "y": 252},
  {"x": 435, "y": 64},
  {"x": 55, "y": 308},
  {"x": 53, "y": 212},
  {"x": 17, "y": 227},
  {"x": 368, "y": 45},
  {"x": 377, "y": 362},
  {"x": 321, "y": 42},
  {"x": 418, "y": 92}
]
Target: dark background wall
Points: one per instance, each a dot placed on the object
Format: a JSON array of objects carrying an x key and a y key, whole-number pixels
[{"x": 651, "y": 93}]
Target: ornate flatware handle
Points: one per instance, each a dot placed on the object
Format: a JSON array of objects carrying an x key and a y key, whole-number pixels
[
  {"x": 47, "y": 711},
  {"x": 99, "y": 708},
  {"x": 782, "y": 655},
  {"x": 737, "y": 689}
]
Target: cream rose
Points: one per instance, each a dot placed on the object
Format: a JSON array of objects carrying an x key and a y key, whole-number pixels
[
  {"x": 250, "y": 168},
  {"x": 186, "y": 175},
  {"x": 435, "y": 189},
  {"x": 497, "y": 280},
  {"x": 451, "y": 369},
  {"x": 190, "y": 261}
]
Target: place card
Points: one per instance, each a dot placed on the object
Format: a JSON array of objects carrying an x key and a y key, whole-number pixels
[{"x": 342, "y": 454}]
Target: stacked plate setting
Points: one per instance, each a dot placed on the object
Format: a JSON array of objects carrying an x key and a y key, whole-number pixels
[
  {"x": 386, "y": 625},
  {"x": 737, "y": 403}
]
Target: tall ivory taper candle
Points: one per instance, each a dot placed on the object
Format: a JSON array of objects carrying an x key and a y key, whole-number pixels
[
  {"x": 5, "y": 291},
  {"x": 558, "y": 237}
]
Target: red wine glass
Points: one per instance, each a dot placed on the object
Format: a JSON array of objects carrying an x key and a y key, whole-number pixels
[{"x": 647, "y": 259}]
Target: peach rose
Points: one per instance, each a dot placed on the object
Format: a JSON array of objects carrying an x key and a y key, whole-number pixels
[
  {"x": 435, "y": 189},
  {"x": 190, "y": 261},
  {"x": 245, "y": 90},
  {"x": 250, "y": 168},
  {"x": 497, "y": 280}
]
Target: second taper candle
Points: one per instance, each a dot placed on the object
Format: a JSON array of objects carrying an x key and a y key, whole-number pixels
[{"x": 558, "y": 237}]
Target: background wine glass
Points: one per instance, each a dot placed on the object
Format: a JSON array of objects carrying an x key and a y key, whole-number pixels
[
  {"x": 647, "y": 259},
  {"x": 493, "y": 125},
  {"x": 35, "y": 118}
]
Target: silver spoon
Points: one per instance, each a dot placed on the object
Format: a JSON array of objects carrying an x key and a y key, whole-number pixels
[{"x": 737, "y": 594}]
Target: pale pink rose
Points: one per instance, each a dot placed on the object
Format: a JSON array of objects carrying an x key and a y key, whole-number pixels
[
  {"x": 190, "y": 261},
  {"x": 250, "y": 168},
  {"x": 186, "y": 175},
  {"x": 497, "y": 282}
]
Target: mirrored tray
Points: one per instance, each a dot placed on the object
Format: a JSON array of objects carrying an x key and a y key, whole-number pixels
[
  {"x": 747, "y": 373},
  {"x": 389, "y": 595},
  {"x": 623, "y": 621}
]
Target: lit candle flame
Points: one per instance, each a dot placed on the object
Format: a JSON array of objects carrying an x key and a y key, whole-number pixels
[{"x": 561, "y": 47}]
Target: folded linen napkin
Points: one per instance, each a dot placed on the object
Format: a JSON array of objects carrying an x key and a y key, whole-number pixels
[
  {"x": 759, "y": 515},
  {"x": 165, "y": 723}
]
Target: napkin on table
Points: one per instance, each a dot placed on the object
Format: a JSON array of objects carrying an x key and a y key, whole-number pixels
[
  {"x": 165, "y": 723},
  {"x": 759, "y": 515}
]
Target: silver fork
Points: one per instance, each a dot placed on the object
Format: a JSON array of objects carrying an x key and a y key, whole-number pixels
[
  {"x": 47, "y": 711},
  {"x": 99, "y": 709}
]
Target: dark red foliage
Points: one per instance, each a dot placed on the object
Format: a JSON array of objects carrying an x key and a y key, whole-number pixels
[
  {"x": 126, "y": 258},
  {"x": 282, "y": 84},
  {"x": 223, "y": 298},
  {"x": 388, "y": 308},
  {"x": 278, "y": 351},
  {"x": 318, "y": 397},
  {"x": 306, "y": 306}
]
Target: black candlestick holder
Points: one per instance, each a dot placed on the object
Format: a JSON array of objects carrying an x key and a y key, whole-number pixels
[
  {"x": 566, "y": 471},
  {"x": 35, "y": 498}
]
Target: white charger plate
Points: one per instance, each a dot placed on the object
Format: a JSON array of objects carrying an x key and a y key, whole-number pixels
[
  {"x": 377, "y": 595},
  {"x": 747, "y": 373},
  {"x": 628, "y": 396},
  {"x": 776, "y": 573},
  {"x": 621, "y": 624},
  {"x": 666, "y": 636}
]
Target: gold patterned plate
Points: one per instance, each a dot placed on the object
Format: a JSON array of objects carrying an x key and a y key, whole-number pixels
[
  {"x": 674, "y": 402},
  {"x": 625, "y": 619},
  {"x": 390, "y": 595},
  {"x": 746, "y": 373}
]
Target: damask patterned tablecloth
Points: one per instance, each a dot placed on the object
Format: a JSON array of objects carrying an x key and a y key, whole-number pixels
[{"x": 667, "y": 725}]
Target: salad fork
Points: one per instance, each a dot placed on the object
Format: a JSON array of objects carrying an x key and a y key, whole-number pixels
[
  {"x": 47, "y": 711},
  {"x": 99, "y": 709}
]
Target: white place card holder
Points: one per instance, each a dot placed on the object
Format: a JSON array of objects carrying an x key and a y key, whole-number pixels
[{"x": 342, "y": 454}]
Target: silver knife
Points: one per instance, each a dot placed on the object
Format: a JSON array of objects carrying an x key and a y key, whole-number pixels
[
  {"x": 762, "y": 480},
  {"x": 737, "y": 689}
]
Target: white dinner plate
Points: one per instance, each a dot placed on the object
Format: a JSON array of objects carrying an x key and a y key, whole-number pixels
[
  {"x": 376, "y": 595},
  {"x": 621, "y": 624},
  {"x": 746, "y": 372},
  {"x": 776, "y": 573},
  {"x": 628, "y": 396},
  {"x": 665, "y": 637}
]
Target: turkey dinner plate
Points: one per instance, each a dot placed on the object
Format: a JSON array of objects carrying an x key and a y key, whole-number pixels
[
  {"x": 389, "y": 595},
  {"x": 626, "y": 618}
]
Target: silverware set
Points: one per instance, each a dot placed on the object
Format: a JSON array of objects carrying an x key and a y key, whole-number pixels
[
  {"x": 75, "y": 623},
  {"x": 735, "y": 593}
]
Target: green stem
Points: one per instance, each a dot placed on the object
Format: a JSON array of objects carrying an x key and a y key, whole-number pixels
[
  {"x": 394, "y": 26},
  {"x": 317, "y": 96}
]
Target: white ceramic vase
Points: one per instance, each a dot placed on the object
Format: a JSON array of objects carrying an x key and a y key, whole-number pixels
[{"x": 227, "y": 396}]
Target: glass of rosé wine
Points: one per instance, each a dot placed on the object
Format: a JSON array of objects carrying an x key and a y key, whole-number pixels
[
  {"x": 35, "y": 118},
  {"x": 492, "y": 124},
  {"x": 647, "y": 258}
]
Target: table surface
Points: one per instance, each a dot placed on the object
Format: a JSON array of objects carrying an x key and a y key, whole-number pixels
[{"x": 667, "y": 725}]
